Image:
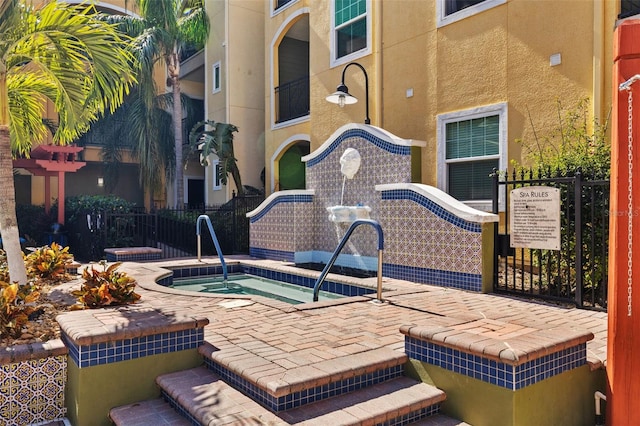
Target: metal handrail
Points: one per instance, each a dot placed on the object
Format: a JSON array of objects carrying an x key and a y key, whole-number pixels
[
  {"x": 334, "y": 256},
  {"x": 215, "y": 242}
]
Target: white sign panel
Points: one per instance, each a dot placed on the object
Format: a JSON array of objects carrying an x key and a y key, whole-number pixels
[{"x": 534, "y": 217}]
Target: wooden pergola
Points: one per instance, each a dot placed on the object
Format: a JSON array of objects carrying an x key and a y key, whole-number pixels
[{"x": 50, "y": 161}]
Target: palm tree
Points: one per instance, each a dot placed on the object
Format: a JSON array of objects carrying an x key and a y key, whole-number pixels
[
  {"x": 163, "y": 31},
  {"x": 59, "y": 54},
  {"x": 218, "y": 140}
]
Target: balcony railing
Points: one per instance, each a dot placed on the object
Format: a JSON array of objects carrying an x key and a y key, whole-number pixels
[
  {"x": 629, "y": 8},
  {"x": 292, "y": 100}
]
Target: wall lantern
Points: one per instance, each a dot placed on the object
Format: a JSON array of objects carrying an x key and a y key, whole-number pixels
[{"x": 342, "y": 96}]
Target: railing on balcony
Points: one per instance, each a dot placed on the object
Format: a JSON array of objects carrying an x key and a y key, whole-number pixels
[
  {"x": 629, "y": 8},
  {"x": 292, "y": 99},
  {"x": 281, "y": 3}
]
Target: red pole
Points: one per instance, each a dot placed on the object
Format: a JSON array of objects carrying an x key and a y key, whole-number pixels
[
  {"x": 61, "y": 198},
  {"x": 623, "y": 342}
]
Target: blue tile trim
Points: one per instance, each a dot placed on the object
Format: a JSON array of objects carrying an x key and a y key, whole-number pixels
[
  {"x": 279, "y": 255},
  {"x": 138, "y": 347},
  {"x": 179, "y": 408},
  {"x": 297, "y": 399},
  {"x": 328, "y": 285},
  {"x": 460, "y": 280},
  {"x": 300, "y": 198},
  {"x": 508, "y": 376},
  {"x": 133, "y": 257},
  {"x": 360, "y": 133},
  {"x": 407, "y": 194}
]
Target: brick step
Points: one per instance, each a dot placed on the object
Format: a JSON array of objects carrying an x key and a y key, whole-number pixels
[
  {"x": 282, "y": 389},
  {"x": 157, "y": 412},
  {"x": 439, "y": 420},
  {"x": 203, "y": 398}
]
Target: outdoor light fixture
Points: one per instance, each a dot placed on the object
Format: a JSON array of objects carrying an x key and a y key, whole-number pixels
[
  {"x": 342, "y": 96},
  {"x": 100, "y": 182}
]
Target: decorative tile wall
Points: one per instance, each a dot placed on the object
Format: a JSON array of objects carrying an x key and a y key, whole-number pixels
[
  {"x": 423, "y": 241},
  {"x": 282, "y": 227},
  {"x": 382, "y": 162},
  {"x": 33, "y": 391}
]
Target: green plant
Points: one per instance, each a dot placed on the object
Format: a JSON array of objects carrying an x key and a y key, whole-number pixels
[
  {"x": 16, "y": 304},
  {"x": 48, "y": 262},
  {"x": 216, "y": 141},
  {"x": 577, "y": 143},
  {"x": 4, "y": 267},
  {"x": 108, "y": 287}
]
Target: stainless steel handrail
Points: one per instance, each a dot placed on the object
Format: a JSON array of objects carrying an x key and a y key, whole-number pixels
[
  {"x": 334, "y": 256},
  {"x": 215, "y": 242}
]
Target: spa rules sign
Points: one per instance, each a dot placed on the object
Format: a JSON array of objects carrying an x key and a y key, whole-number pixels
[{"x": 534, "y": 215}]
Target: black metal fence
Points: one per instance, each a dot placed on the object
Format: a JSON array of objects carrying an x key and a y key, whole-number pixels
[
  {"x": 172, "y": 230},
  {"x": 577, "y": 272}
]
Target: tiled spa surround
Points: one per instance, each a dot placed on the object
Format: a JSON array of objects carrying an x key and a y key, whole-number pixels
[
  {"x": 276, "y": 275},
  {"x": 99, "y": 337},
  {"x": 429, "y": 237},
  {"x": 498, "y": 353}
]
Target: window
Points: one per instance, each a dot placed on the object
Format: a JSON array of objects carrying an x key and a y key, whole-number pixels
[
  {"x": 216, "y": 77},
  {"x": 350, "y": 35},
  {"x": 470, "y": 145},
  {"x": 449, "y": 11},
  {"x": 217, "y": 184},
  {"x": 278, "y": 5}
]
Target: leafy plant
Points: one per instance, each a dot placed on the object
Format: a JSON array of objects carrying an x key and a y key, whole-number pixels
[
  {"x": 577, "y": 143},
  {"x": 216, "y": 141},
  {"x": 4, "y": 267},
  {"x": 48, "y": 262},
  {"x": 108, "y": 287},
  {"x": 16, "y": 304}
]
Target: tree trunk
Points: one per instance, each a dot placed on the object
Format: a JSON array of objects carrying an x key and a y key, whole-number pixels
[
  {"x": 8, "y": 221},
  {"x": 174, "y": 75}
]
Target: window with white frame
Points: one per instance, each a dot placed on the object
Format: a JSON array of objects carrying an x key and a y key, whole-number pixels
[
  {"x": 350, "y": 36},
  {"x": 449, "y": 11},
  {"x": 471, "y": 144},
  {"x": 216, "y": 78},
  {"x": 217, "y": 181}
]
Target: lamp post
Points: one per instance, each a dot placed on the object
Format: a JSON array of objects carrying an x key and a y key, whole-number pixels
[{"x": 342, "y": 97}]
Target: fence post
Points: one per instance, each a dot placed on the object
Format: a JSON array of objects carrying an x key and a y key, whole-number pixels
[
  {"x": 577, "y": 182},
  {"x": 495, "y": 209},
  {"x": 234, "y": 214}
]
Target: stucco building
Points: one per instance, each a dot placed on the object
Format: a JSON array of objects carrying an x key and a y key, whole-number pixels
[{"x": 469, "y": 78}]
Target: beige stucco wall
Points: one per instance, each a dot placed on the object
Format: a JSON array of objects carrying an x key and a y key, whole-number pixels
[
  {"x": 499, "y": 55},
  {"x": 236, "y": 40}
]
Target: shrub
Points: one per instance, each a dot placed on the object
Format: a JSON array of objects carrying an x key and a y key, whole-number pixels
[
  {"x": 48, "y": 263},
  {"x": 34, "y": 223},
  {"x": 16, "y": 304},
  {"x": 106, "y": 288}
]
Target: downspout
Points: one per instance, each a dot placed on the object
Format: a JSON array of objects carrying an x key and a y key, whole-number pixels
[
  {"x": 379, "y": 62},
  {"x": 227, "y": 88},
  {"x": 598, "y": 62},
  {"x": 599, "y": 417}
]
